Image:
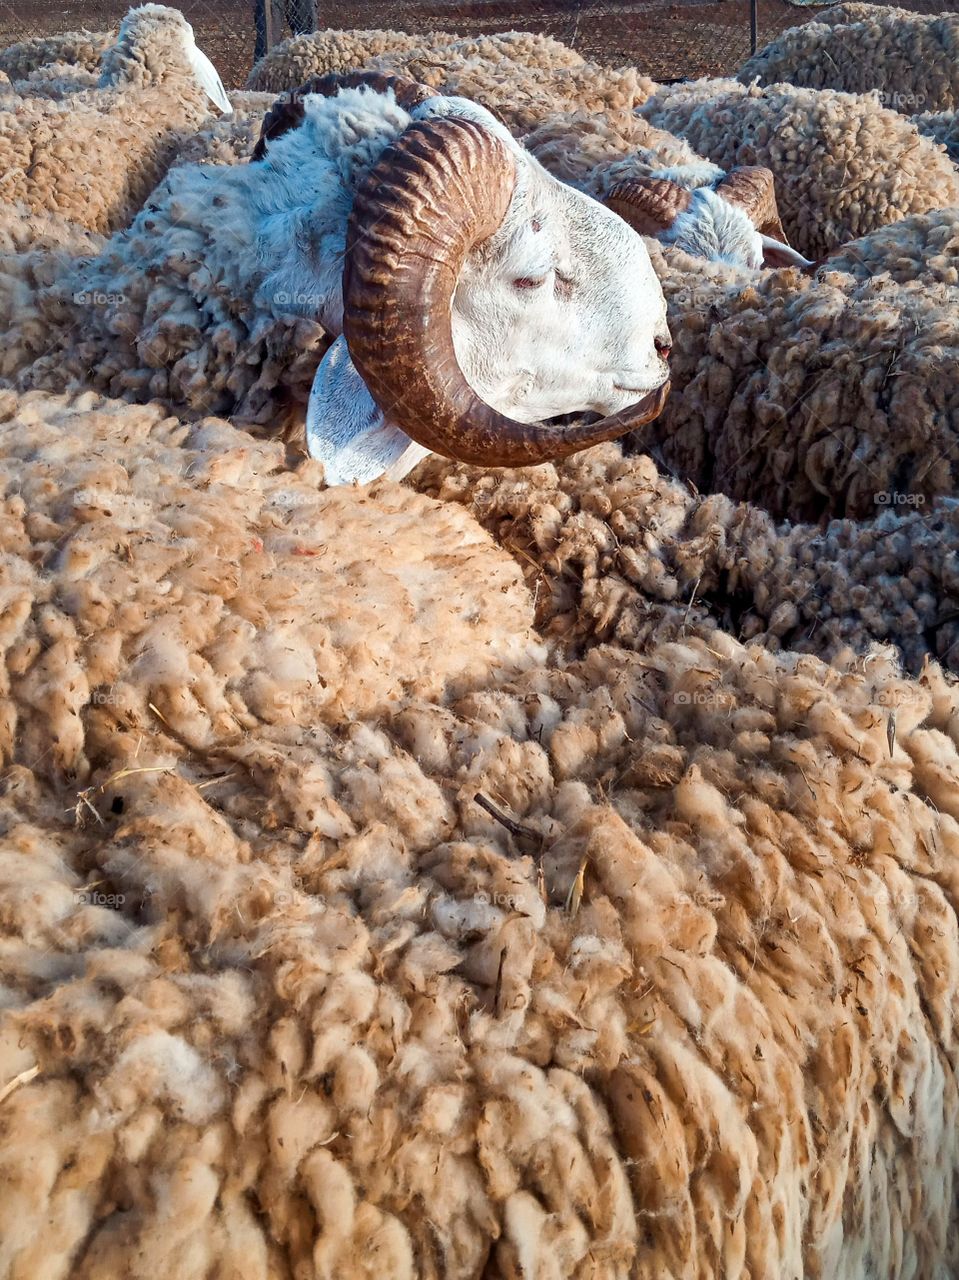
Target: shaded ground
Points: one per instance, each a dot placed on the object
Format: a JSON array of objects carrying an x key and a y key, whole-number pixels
[{"x": 667, "y": 40}]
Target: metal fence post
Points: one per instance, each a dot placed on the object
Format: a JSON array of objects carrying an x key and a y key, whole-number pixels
[{"x": 753, "y": 25}]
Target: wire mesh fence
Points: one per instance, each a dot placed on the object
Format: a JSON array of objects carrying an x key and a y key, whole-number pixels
[{"x": 666, "y": 39}]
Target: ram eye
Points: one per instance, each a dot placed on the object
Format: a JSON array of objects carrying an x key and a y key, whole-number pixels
[{"x": 529, "y": 282}]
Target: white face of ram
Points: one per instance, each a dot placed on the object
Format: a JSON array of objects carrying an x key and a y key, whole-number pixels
[{"x": 559, "y": 312}]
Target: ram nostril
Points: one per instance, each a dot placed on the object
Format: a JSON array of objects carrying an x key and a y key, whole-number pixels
[{"x": 663, "y": 346}]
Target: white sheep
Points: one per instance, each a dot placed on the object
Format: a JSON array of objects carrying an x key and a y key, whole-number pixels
[{"x": 223, "y": 291}]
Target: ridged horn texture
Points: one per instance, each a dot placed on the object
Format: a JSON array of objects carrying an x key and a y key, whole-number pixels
[
  {"x": 649, "y": 205},
  {"x": 752, "y": 188},
  {"x": 287, "y": 112},
  {"x": 442, "y": 188}
]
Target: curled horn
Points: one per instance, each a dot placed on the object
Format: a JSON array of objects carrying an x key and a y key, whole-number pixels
[
  {"x": 649, "y": 205},
  {"x": 752, "y": 188},
  {"x": 440, "y": 189},
  {"x": 287, "y": 112}
]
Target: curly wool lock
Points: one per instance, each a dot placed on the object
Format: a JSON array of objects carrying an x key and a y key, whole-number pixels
[
  {"x": 844, "y": 165},
  {"x": 910, "y": 59},
  {"x": 942, "y": 127},
  {"x": 298, "y": 975}
]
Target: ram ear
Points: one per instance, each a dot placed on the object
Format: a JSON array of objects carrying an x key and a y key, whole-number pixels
[
  {"x": 347, "y": 432},
  {"x": 776, "y": 253}
]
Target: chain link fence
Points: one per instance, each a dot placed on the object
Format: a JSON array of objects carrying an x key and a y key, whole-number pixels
[{"x": 666, "y": 39}]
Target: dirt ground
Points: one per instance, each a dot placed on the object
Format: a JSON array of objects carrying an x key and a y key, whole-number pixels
[{"x": 667, "y": 40}]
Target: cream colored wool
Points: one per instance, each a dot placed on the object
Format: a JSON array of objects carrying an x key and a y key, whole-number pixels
[
  {"x": 843, "y": 165},
  {"x": 80, "y": 49},
  {"x": 301, "y": 601},
  {"x": 294, "y": 61},
  {"x": 295, "y": 1005},
  {"x": 810, "y": 397},
  {"x": 526, "y": 84},
  {"x": 910, "y": 59},
  {"x": 583, "y": 148},
  {"x": 615, "y": 552},
  {"x": 95, "y": 154}
]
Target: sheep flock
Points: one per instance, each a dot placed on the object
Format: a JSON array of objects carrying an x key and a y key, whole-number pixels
[{"x": 478, "y": 871}]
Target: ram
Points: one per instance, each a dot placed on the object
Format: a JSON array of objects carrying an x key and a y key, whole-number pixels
[{"x": 229, "y": 287}]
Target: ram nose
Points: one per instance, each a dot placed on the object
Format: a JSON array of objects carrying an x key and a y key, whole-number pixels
[{"x": 664, "y": 347}]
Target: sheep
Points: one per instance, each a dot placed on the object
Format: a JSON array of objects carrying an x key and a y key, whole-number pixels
[
  {"x": 843, "y": 165},
  {"x": 278, "y": 986},
  {"x": 909, "y": 59},
  {"x": 617, "y": 552},
  {"x": 924, "y": 246},
  {"x": 294, "y": 61},
  {"x": 93, "y": 156},
  {"x": 810, "y": 397},
  {"x": 227, "y": 289}
]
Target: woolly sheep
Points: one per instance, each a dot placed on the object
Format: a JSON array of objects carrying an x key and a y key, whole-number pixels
[
  {"x": 93, "y": 156},
  {"x": 809, "y": 397},
  {"x": 225, "y": 291},
  {"x": 278, "y": 986},
  {"x": 843, "y": 165},
  {"x": 910, "y": 59}
]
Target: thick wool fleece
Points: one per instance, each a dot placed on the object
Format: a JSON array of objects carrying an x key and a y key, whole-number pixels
[
  {"x": 810, "y": 397},
  {"x": 942, "y": 126},
  {"x": 281, "y": 999},
  {"x": 242, "y": 590},
  {"x": 228, "y": 139},
  {"x": 844, "y": 165},
  {"x": 615, "y": 552},
  {"x": 294, "y": 61},
  {"x": 923, "y": 246},
  {"x": 910, "y": 59},
  {"x": 524, "y": 79}
]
